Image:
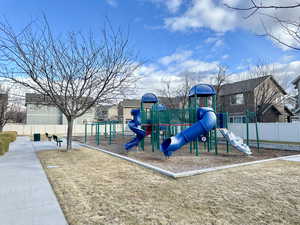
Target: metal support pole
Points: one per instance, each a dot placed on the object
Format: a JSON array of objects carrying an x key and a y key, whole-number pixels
[
  {"x": 152, "y": 129},
  {"x": 196, "y": 141},
  {"x": 247, "y": 126},
  {"x": 97, "y": 134},
  {"x": 110, "y": 132},
  {"x": 226, "y": 126},
  {"x": 143, "y": 122},
  {"x": 257, "y": 136},
  {"x": 215, "y": 130},
  {"x": 85, "y": 133}
]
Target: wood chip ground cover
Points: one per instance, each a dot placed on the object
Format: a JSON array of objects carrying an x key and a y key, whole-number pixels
[
  {"x": 182, "y": 160},
  {"x": 94, "y": 188}
]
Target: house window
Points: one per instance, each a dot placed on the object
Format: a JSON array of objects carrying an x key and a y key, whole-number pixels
[
  {"x": 237, "y": 99},
  {"x": 237, "y": 119}
]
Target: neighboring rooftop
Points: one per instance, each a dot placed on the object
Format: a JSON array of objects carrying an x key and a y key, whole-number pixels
[
  {"x": 131, "y": 103},
  {"x": 105, "y": 107},
  {"x": 137, "y": 103},
  {"x": 34, "y": 98},
  {"x": 246, "y": 85}
]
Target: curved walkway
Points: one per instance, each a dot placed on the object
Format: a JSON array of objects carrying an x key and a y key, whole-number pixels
[{"x": 26, "y": 197}]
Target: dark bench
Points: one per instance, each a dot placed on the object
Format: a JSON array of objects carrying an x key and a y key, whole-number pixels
[
  {"x": 57, "y": 140},
  {"x": 48, "y": 136}
]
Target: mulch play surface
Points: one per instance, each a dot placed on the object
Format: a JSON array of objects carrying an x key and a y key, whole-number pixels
[{"x": 182, "y": 160}]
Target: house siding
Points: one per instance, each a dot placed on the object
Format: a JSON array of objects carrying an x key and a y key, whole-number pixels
[
  {"x": 272, "y": 85},
  {"x": 41, "y": 114},
  {"x": 225, "y": 105},
  {"x": 48, "y": 114}
]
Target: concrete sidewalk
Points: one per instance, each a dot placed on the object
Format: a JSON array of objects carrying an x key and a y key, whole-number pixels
[
  {"x": 26, "y": 197},
  {"x": 294, "y": 158}
]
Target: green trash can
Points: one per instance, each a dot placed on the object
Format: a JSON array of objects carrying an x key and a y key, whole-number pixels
[{"x": 37, "y": 137}]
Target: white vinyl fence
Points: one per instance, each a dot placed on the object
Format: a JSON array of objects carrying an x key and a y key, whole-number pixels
[
  {"x": 27, "y": 129},
  {"x": 286, "y": 132}
]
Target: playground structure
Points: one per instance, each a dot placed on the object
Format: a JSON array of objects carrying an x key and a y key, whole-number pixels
[
  {"x": 197, "y": 125},
  {"x": 178, "y": 127}
]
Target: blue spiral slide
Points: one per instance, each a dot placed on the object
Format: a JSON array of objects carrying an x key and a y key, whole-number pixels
[
  {"x": 207, "y": 121},
  {"x": 134, "y": 125}
]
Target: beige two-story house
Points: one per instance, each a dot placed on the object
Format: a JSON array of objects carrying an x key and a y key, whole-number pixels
[
  {"x": 107, "y": 112},
  {"x": 40, "y": 110}
]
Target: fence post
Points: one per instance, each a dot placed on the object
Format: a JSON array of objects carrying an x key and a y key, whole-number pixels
[
  {"x": 85, "y": 133},
  {"x": 247, "y": 126}
]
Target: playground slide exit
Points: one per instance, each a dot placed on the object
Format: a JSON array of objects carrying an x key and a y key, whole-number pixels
[
  {"x": 134, "y": 125},
  {"x": 206, "y": 121},
  {"x": 236, "y": 141}
]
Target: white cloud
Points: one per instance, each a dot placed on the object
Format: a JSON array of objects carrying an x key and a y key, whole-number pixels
[
  {"x": 172, "y": 5},
  {"x": 176, "y": 57},
  {"x": 203, "y": 13},
  {"x": 215, "y": 42},
  {"x": 112, "y": 2},
  {"x": 217, "y": 17},
  {"x": 173, "y": 67},
  {"x": 210, "y": 40},
  {"x": 197, "y": 67},
  {"x": 219, "y": 43},
  {"x": 284, "y": 73},
  {"x": 287, "y": 58},
  {"x": 226, "y": 56}
]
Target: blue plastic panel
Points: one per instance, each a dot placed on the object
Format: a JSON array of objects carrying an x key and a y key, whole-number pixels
[
  {"x": 203, "y": 90},
  {"x": 149, "y": 98}
]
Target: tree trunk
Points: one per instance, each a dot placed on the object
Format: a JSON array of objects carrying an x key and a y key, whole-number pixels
[
  {"x": 1, "y": 128},
  {"x": 69, "y": 133}
]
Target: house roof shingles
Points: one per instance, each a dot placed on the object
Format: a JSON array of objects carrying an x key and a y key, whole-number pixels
[
  {"x": 137, "y": 103},
  {"x": 34, "y": 98},
  {"x": 241, "y": 86}
]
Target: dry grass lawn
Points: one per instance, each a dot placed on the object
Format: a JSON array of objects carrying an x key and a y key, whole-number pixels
[{"x": 94, "y": 188}]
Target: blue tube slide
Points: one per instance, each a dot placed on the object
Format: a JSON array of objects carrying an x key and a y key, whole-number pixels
[
  {"x": 206, "y": 121},
  {"x": 134, "y": 125}
]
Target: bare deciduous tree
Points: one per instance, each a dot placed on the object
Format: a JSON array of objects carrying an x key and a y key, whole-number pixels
[
  {"x": 16, "y": 114},
  {"x": 219, "y": 80},
  {"x": 3, "y": 107},
  {"x": 176, "y": 95},
  {"x": 266, "y": 94},
  {"x": 184, "y": 89},
  {"x": 75, "y": 71},
  {"x": 290, "y": 27}
]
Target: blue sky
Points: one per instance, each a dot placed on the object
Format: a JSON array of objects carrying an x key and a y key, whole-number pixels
[{"x": 174, "y": 36}]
